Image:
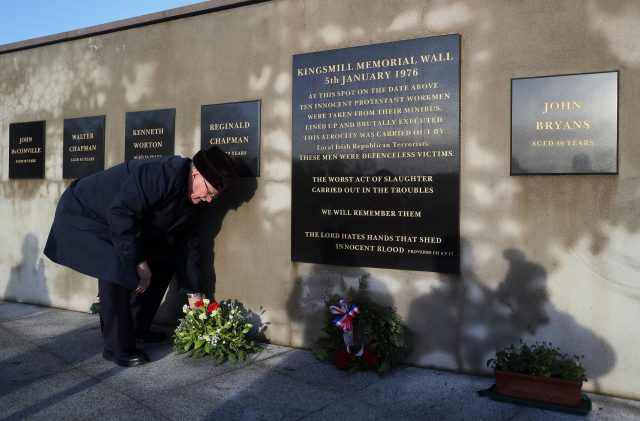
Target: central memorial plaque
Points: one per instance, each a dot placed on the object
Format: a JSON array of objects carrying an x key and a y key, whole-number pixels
[{"x": 376, "y": 167}]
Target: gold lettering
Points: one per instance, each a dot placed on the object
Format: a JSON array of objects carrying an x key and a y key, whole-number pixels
[
  {"x": 20, "y": 151},
  {"x": 146, "y": 132},
  {"x": 386, "y": 62},
  {"x": 82, "y": 136},
  {"x": 318, "y": 70},
  {"x": 147, "y": 145},
  {"x": 82, "y": 148},
  {"x": 431, "y": 58},
  {"x": 228, "y": 140},
  {"x": 230, "y": 125},
  {"x": 563, "y": 125},
  {"x": 562, "y": 106}
]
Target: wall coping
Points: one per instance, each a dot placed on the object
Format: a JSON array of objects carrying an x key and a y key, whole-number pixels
[{"x": 210, "y": 6}]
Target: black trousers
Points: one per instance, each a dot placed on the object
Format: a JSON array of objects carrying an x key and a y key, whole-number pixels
[{"x": 123, "y": 312}]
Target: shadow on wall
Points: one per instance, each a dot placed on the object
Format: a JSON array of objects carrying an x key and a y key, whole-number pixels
[
  {"x": 210, "y": 223},
  {"x": 306, "y": 304},
  {"x": 462, "y": 322},
  {"x": 27, "y": 282}
]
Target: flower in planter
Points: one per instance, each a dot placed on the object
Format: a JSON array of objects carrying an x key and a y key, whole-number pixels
[
  {"x": 539, "y": 372},
  {"x": 215, "y": 329},
  {"x": 539, "y": 359}
]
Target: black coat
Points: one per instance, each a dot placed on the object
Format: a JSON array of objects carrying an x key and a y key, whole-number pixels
[{"x": 139, "y": 210}]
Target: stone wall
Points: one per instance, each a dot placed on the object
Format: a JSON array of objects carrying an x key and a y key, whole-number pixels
[{"x": 547, "y": 258}]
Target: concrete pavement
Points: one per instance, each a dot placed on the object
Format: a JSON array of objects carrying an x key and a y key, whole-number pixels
[{"x": 51, "y": 368}]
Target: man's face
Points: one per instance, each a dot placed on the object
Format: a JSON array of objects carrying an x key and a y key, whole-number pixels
[{"x": 201, "y": 190}]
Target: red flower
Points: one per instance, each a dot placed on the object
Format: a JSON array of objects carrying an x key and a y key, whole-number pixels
[
  {"x": 370, "y": 357},
  {"x": 198, "y": 303},
  {"x": 213, "y": 307},
  {"x": 342, "y": 358}
]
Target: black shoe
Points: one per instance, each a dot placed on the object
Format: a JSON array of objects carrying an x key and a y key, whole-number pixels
[
  {"x": 150, "y": 336},
  {"x": 126, "y": 359}
]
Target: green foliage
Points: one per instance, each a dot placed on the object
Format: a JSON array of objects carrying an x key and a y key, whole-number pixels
[
  {"x": 95, "y": 308},
  {"x": 539, "y": 359},
  {"x": 220, "y": 333},
  {"x": 377, "y": 327}
]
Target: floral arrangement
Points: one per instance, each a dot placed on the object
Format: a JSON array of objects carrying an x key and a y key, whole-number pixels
[
  {"x": 215, "y": 329},
  {"x": 539, "y": 359},
  {"x": 364, "y": 335}
]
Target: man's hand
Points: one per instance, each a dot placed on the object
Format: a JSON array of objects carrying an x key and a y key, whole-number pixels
[
  {"x": 144, "y": 274},
  {"x": 192, "y": 298}
]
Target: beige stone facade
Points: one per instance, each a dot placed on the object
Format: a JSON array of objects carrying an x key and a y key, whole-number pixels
[{"x": 547, "y": 258}]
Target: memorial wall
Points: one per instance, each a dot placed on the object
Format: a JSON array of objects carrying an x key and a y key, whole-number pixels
[{"x": 478, "y": 160}]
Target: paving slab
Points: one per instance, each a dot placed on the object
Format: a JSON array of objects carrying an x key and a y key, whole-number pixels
[
  {"x": 135, "y": 412},
  {"x": 250, "y": 392},
  {"x": 67, "y": 395},
  {"x": 305, "y": 367},
  {"x": 23, "y": 363},
  {"x": 8, "y": 338},
  {"x": 428, "y": 394},
  {"x": 42, "y": 327},
  {"x": 78, "y": 346},
  {"x": 611, "y": 408},
  {"x": 268, "y": 351},
  {"x": 167, "y": 371},
  {"x": 74, "y": 338},
  {"x": 351, "y": 409},
  {"x": 12, "y": 311},
  {"x": 51, "y": 367}
]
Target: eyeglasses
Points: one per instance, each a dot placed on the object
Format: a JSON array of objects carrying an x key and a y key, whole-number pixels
[{"x": 209, "y": 192}]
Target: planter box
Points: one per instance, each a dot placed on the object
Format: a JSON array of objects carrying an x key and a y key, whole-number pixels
[{"x": 541, "y": 389}]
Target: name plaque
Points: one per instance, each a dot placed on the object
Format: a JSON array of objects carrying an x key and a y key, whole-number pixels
[
  {"x": 376, "y": 167},
  {"x": 26, "y": 149},
  {"x": 83, "y": 142},
  {"x": 234, "y": 128},
  {"x": 149, "y": 134},
  {"x": 565, "y": 124}
]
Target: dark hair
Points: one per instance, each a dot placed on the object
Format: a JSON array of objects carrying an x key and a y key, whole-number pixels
[{"x": 216, "y": 167}]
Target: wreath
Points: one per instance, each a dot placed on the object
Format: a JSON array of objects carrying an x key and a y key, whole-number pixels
[{"x": 362, "y": 334}]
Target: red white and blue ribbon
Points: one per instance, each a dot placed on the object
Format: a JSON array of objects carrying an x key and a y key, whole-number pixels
[{"x": 347, "y": 312}]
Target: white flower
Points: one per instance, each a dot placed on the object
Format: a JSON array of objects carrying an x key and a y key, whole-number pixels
[
  {"x": 185, "y": 308},
  {"x": 206, "y": 302},
  {"x": 202, "y": 316},
  {"x": 205, "y": 337}
]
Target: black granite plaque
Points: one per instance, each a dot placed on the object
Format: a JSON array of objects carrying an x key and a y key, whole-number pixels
[
  {"x": 235, "y": 128},
  {"x": 149, "y": 134},
  {"x": 83, "y": 142},
  {"x": 565, "y": 124},
  {"x": 26, "y": 149},
  {"x": 376, "y": 167}
]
